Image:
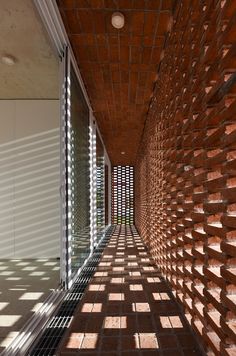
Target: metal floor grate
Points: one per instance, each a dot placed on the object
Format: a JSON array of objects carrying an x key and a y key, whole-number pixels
[{"x": 57, "y": 325}]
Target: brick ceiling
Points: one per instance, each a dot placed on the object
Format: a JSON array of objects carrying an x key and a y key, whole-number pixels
[{"x": 119, "y": 67}]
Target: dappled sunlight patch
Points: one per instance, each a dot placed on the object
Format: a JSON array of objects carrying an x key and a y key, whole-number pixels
[
  {"x": 50, "y": 264},
  {"x": 23, "y": 264},
  {"x": 37, "y": 273},
  {"x": 136, "y": 287},
  {"x": 3, "y": 305},
  {"x": 134, "y": 273},
  {"x": 148, "y": 268},
  {"x": 169, "y": 322},
  {"x": 115, "y": 322},
  {"x": 89, "y": 341},
  {"x": 104, "y": 264},
  {"x": 6, "y": 273},
  {"x": 3, "y": 268},
  {"x": 36, "y": 307},
  {"x": 141, "y": 307},
  {"x": 100, "y": 274},
  {"x": 146, "y": 341},
  {"x": 91, "y": 308},
  {"x": 8, "y": 320},
  {"x": 153, "y": 280},
  {"x": 160, "y": 296},
  {"x": 132, "y": 264},
  {"x": 74, "y": 341},
  {"x": 119, "y": 280},
  {"x": 118, "y": 269},
  {"x": 8, "y": 339},
  {"x": 116, "y": 296},
  {"x": 29, "y": 268},
  {"x": 96, "y": 287},
  {"x": 31, "y": 296}
]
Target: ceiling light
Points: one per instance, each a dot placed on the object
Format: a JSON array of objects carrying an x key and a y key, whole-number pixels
[
  {"x": 122, "y": 152},
  {"x": 117, "y": 20},
  {"x": 8, "y": 60}
]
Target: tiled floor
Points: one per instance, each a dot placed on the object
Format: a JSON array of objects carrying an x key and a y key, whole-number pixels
[
  {"x": 24, "y": 286},
  {"x": 127, "y": 308}
]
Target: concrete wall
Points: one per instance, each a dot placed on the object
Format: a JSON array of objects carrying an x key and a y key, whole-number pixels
[{"x": 29, "y": 178}]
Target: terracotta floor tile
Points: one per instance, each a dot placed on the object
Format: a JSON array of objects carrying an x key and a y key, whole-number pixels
[
  {"x": 128, "y": 343},
  {"x": 112, "y": 322},
  {"x": 89, "y": 341},
  {"x": 147, "y": 341},
  {"x": 136, "y": 287},
  {"x": 160, "y": 296},
  {"x": 74, "y": 341},
  {"x": 68, "y": 352},
  {"x": 100, "y": 297},
  {"x": 86, "y": 353},
  {"x": 114, "y": 308},
  {"x": 94, "y": 323},
  {"x": 186, "y": 340},
  {"x": 116, "y": 297},
  {"x": 128, "y": 309},
  {"x": 191, "y": 352},
  {"x": 144, "y": 323},
  {"x": 109, "y": 343},
  {"x": 77, "y": 326},
  {"x": 135, "y": 274},
  {"x": 114, "y": 288},
  {"x": 131, "y": 328},
  {"x": 175, "y": 352},
  {"x": 168, "y": 341},
  {"x": 138, "y": 296},
  {"x": 141, "y": 307}
]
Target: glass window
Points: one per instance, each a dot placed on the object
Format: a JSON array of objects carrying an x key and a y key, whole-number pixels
[
  {"x": 100, "y": 168},
  {"x": 80, "y": 176}
]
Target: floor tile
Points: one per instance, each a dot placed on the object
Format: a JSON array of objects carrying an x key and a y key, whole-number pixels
[{"x": 128, "y": 309}]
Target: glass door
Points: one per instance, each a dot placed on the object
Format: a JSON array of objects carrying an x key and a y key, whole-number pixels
[
  {"x": 77, "y": 174},
  {"x": 100, "y": 189}
]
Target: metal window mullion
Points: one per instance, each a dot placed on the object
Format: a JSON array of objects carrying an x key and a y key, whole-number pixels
[
  {"x": 68, "y": 168},
  {"x": 92, "y": 183},
  {"x": 63, "y": 172},
  {"x": 95, "y": 183}
]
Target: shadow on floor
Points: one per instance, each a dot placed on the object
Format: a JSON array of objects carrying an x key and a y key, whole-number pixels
[
  {"x": 24, "y": 285},
  {"x": 127, "y": 308}
]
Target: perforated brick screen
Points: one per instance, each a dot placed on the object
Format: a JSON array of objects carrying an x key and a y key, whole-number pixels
[
  {"x": 186, "y": 169},
  {"x": 123, "y": 195}
]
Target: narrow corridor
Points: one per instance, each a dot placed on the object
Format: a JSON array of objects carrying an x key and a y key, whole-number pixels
[{"x": 127, "y": 308}]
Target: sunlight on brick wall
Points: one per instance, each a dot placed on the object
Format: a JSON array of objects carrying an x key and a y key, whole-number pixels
[{"x": 186, "y": 169}]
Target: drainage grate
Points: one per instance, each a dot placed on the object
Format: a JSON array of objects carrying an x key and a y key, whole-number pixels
[{"x": 51, "y": 336}]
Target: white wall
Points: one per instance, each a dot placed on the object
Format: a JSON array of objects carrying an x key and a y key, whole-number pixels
[{"x": 29, "y": 178}]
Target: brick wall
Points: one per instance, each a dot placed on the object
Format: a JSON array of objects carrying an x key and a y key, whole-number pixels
[
  {"x": 122, "y": 185},
  {"x": 186, "y": 169}
]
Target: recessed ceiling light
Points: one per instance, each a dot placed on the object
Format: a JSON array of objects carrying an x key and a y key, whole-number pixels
[
  {"x": 117, "y": 20},
  {"x": 8, "y": 60},
  {"x": 122, "y": 152}
]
